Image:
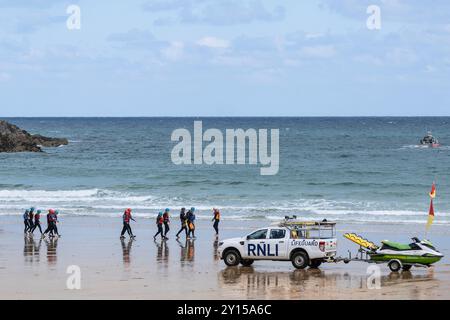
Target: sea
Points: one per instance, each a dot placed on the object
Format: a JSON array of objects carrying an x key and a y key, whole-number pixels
[{"x": 355, "y": 170}]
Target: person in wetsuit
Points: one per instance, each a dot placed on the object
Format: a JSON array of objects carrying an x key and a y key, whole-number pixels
[
  {"x": 31, "y": 219},
  {"x": 55, "y": 222},
  {"x": 50, "y": 223},
  {"x": 191, "y": 223},
  {"x": 126, "y": 224},
  {"x": 37, "y": 222},
  {"x": 26, "y": 221},
  {"x": 166, "y": 220},
  {"x": 159, "y": 225},
  {"x": 183, "y": 221},
  {"x": 216, "y": 219}
]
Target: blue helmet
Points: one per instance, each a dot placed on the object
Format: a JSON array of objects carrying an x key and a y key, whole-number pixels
[
  {"x": 192, "y": 209},
  {"x": 32, "y": 209},
  {"x": 56, "y": 212},
  {"x": 39, "y": 211},
  {"x": 160, "y": 213},
  {"x": 167, "y": 210}
]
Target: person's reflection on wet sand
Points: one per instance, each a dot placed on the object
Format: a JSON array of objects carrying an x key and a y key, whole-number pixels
[
  {"x": 162, "y": 253},
  {"x": 215, "y": 247},
  {"x": 52, "y": 256},
  {"x": 126, "y": 251},
  {"x": 28, "y": 248},
  {"x": 31, "y": 250},
  {"x": 183, "y": 250},
  {"x": 37, "y": 249},
  {"x": 190, "y": 250}
]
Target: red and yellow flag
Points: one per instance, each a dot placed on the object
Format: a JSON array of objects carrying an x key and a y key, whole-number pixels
[
  {"x": 430, "y": 215},
  {"x": 431, "y": 212},
  {"x": 433, "y": 191}
]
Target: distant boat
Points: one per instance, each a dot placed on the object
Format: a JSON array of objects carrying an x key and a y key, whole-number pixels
[{"x": 430, "y": 141}]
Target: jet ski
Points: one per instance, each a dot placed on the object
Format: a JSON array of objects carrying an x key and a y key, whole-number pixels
[
  {"x": 429, "y": 141},
  {"x": 396, "y": 255},
  {"x": 421, "y": 252}
]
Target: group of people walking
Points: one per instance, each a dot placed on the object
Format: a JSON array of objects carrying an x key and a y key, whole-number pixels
[
  {"x": 187, "y": 223},
  {"x": 32, "y": 220}
]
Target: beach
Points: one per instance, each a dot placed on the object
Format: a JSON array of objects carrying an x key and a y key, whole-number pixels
[{"x": 145, "y": 269}]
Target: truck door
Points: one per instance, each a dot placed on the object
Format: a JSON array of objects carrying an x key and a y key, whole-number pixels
[
  {"x": 255, "y": 245},
  {"x": 277, "y": 244}
]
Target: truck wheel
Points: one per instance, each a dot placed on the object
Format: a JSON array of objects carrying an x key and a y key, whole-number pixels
[
  {"x": 315, "y": 263},
  {"x": 394, "y": 265},
  {"x": 231, "y": 258},
  {"x": 407, "y": 267},
  {"x": 300, "y": 260},
  {"x": 247, "y": 262}
]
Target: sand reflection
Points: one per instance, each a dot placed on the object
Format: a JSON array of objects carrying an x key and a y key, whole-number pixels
[
  {"x": 52, "y": 256},
  {"x": 31, "y": 250},
  {"x": 162, "y": 252},
  {"x": 249, "y": 283},
  {"x": 126, "y": 252}
]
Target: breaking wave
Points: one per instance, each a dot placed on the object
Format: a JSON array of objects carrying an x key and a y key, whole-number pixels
[{"x": 108, "y": 203}]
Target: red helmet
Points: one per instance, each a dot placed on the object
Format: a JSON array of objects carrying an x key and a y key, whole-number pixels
[
  {"x": 128, "y": 210},
  {"x": 51, "y": 211}
]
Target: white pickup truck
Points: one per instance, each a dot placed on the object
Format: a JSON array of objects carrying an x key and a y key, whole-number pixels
[{"x": 303, "y": 243}]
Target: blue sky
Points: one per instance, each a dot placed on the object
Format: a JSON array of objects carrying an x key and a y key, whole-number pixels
[{"x": 224, "y": 58}]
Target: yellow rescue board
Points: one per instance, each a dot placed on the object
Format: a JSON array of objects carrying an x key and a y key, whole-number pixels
[{"x": 361, "y": 241}]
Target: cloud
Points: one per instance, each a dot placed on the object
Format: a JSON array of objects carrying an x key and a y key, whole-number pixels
[
  {"x": 213, "y": 42},
  {"x": 174, "y": 51},
  {"x": 35, "y": 4},
  {"x": 25, "y": 17},
  {"x": 168, "y": 5},
  {"x": 4, "y": 76},
  {"x": 403, "y": 11},
  {"x": 217, "y": 12},
  {"x": 137, "y": 39},
  {"x": 318, "y": 51},
  {"x": 34, "y": 22}
]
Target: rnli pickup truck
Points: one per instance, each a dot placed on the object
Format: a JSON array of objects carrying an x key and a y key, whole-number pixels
[{"x": 303, "y": 243}]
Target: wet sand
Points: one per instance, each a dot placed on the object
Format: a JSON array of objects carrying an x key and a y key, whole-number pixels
[{"x": 145, "y": 269}]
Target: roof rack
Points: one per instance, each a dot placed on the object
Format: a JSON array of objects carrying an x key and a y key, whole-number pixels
[
  {"x": 307, "y": 223},
  {"x": 294, "y": 222}
]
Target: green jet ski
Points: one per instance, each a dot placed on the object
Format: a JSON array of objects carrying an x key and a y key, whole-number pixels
[{"x": 398, "y": 255}]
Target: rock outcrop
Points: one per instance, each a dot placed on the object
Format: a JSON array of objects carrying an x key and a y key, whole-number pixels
[{"x": 14, "y": 139}]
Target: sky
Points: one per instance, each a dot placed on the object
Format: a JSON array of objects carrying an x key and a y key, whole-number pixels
[{"x": 224, "y": 58}]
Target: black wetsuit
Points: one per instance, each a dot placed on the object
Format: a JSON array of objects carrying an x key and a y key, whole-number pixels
[
  {"x": 25, "y": 222},
  {"x": 166, "y": 223},
  {"x": 30, "y": 221},
  {"x": 183, "y": 220},
  {"x": 159, "y": 224},
  {"x": 126, "y": 225},
  {"x": 37, "y": 223},
  {"x": 216, "y": 220},
  {"x": 190, "y": 219},
  {"x": 51, "y": 225}
]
